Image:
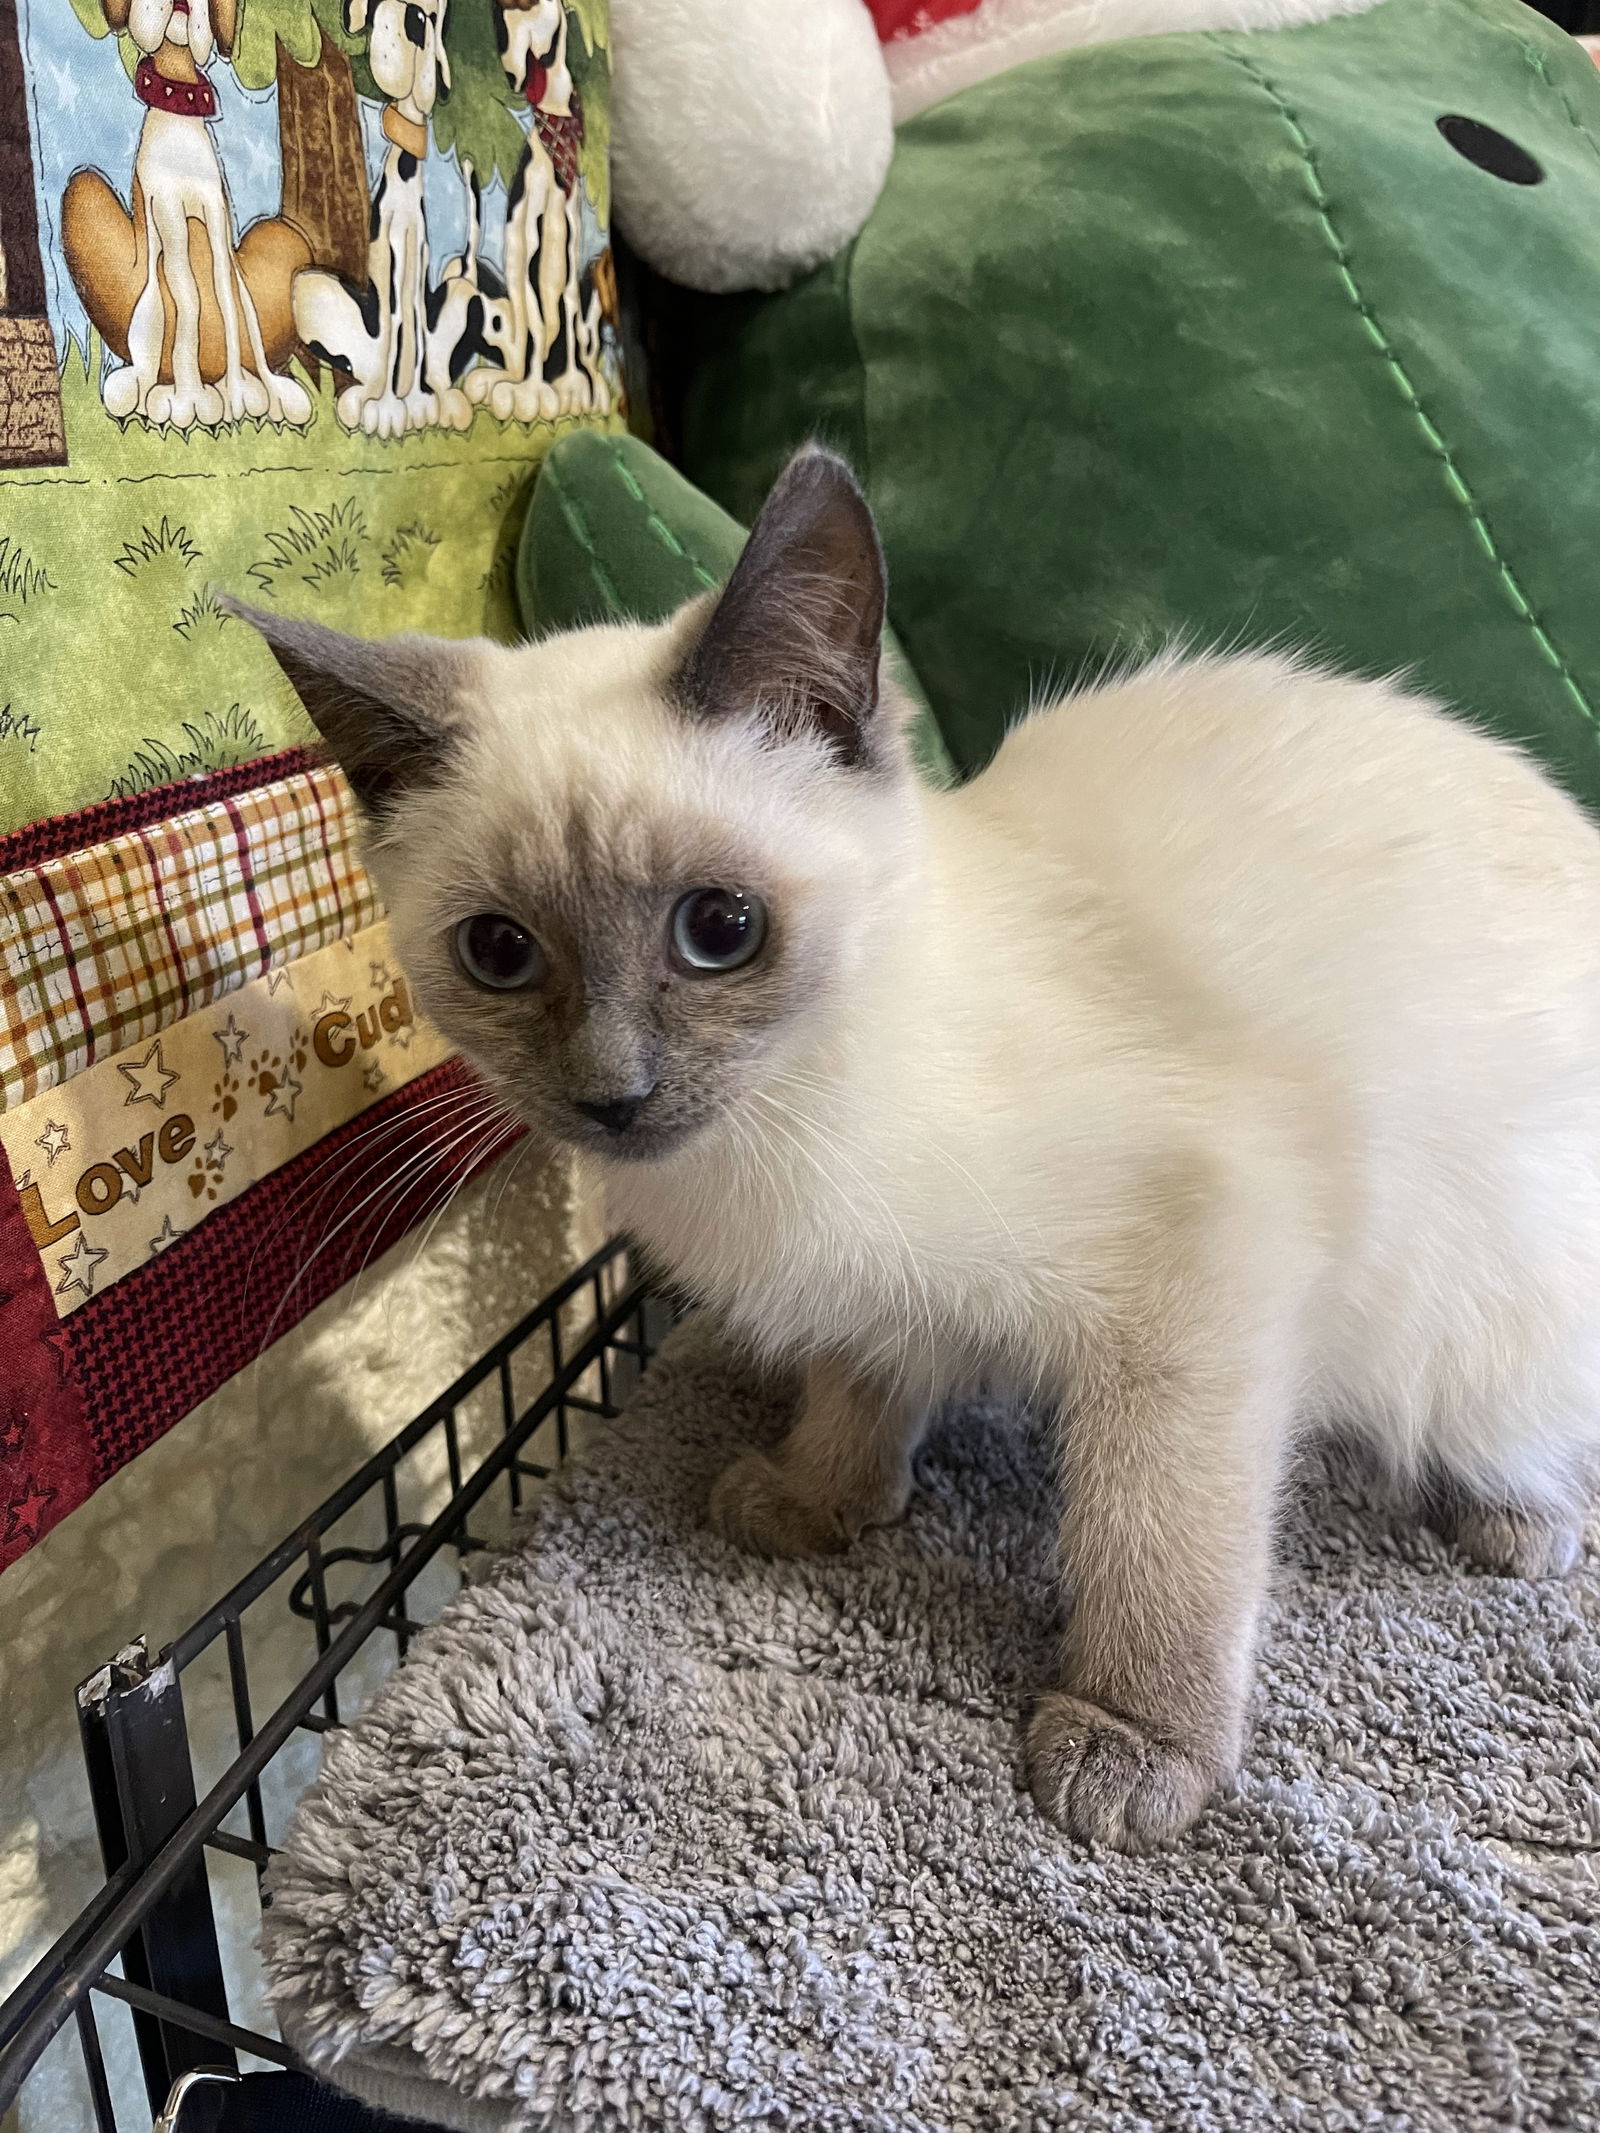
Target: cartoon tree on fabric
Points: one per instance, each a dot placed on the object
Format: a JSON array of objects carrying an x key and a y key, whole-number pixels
[
  {"x": 30, "y": 384},
  {"x": 590, "y": 61},
  {"x": 480, "y": 122},
  {"x": 303, "y": 47},
  {"x": 476, "y": 122}
]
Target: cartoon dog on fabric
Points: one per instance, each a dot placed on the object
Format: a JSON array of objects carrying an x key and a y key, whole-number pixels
[
  {"x": 203, "y": 325},
  {"x": 402, "y": 344},
  {"x": 548, "y": 329}
]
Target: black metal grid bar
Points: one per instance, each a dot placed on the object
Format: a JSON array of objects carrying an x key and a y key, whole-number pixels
[
  {"x": 105, "y": 2115},
  {"x": 243, "y": 1724},
  {"x": 149, "y": 1791},
  {"x": 117, "y": 1922},
  {"x": 605, "y": 1360},
  {"x": 266, "y": 1573},
  {"x": 303, "y": 1599},
  {"x": 393, "y": 1534},
  {"x": 508, "y": 1422},
  {"x": 178, "y": 2014},
  {"x": 556, "y": 1369},
  {"x": 223, "y": 1840},
  {"x": 318, "y": 1579},
  {"x": 452, "y": 1446},
  {"x": 119, "y": 1854}
]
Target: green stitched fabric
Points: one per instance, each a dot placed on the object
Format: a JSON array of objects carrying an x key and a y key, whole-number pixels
[
  {"x": 613, "y": 530},
  {"x": 1218, "y": 337}
]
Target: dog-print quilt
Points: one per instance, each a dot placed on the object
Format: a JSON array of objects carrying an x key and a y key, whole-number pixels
[{"x": 294, "y": 297}]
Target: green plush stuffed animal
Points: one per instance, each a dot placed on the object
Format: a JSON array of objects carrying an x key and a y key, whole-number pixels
[{"x": 1237, "y": 335}]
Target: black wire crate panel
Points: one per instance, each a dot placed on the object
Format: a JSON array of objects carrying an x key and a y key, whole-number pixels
[{"x": 364, "y": 1573}]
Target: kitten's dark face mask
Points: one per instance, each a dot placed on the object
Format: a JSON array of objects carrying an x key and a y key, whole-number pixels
[
  {"x": 710, "y": 933},
  {"x": 615, "y": 971},
  {"x": 624, "y": 1022}
]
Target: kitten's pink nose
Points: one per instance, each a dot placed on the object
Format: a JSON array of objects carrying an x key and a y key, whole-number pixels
[{"x": 615, "y": 1113}]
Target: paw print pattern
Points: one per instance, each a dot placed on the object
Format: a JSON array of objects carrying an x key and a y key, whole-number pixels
[
  {"x": 274, "y": 1076},
  {"x": 205, "y": 1174},
  {"x": 225, "y": 1095}
]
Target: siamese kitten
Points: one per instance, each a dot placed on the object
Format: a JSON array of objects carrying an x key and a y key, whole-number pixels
[{"x": 1221, "y": 1062}]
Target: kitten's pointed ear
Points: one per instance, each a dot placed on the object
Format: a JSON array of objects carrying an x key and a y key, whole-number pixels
[
  {"x": 798, "y": 630},
  {"x": 388, "y": 712}
]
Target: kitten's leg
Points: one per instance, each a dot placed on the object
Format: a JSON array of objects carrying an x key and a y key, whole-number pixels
[
  {"x": 1171, "y": 1474},
  {"x": 1517, "y": 1540},
  {"x": 845, "y": 1465}
]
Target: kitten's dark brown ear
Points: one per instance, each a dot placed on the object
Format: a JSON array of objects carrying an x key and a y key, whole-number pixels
[
  {"x": 387, "y": 711},
  {"x": 798, "y": 629}
]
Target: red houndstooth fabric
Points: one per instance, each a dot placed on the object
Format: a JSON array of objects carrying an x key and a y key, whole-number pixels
[
  {"x": 47, "y": 1458},
  {"x": 82, "y": 1395}
]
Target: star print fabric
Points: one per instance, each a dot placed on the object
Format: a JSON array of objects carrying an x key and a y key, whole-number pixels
[
  {"x": 113, "y": 1167},
  {"x": 217, "y": 1100}
]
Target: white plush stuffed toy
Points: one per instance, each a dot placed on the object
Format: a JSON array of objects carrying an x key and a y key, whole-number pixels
[{"x": 752, "y": 137}]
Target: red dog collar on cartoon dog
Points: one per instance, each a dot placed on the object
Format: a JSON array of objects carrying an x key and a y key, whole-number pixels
[{"x": 189, "y": 99}]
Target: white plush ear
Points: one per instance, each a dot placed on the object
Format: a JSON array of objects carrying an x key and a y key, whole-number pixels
[{"x": 749, "y": 137}]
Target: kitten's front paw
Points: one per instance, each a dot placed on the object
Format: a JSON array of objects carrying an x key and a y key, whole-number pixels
[
  {"x": 1513, "y": 1543},
  {"x": 1103, "y": 1779},
  {"x": 754, "y": 1505}
]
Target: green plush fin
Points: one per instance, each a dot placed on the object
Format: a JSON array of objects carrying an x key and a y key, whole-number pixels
[{"x": 614, "y": 531}]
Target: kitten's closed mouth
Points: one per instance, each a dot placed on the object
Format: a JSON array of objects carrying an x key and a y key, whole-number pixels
[{"x": 624, "y": 1139}]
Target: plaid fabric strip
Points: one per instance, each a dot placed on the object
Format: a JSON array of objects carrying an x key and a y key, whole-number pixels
[
  {"x": 38, "y": 841},
  {"x": 101, "y": 947}
]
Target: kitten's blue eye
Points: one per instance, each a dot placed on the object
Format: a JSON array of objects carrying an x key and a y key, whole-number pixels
[
  {"x": 718, "y": 929},
  {"x": 495, "y": 951}
]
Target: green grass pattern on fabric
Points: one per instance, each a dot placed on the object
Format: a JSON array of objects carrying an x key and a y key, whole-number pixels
[{"x": 116, "y": 667}]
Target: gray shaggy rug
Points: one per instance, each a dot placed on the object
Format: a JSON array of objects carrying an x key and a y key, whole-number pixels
[{"x": 648, "y": 1834}]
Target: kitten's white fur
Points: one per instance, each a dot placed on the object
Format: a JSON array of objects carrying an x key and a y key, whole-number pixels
[
  {"x": 1305, "y": 947},
  {"x": 1223, "y": 1060}
]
